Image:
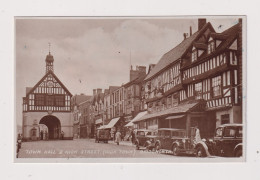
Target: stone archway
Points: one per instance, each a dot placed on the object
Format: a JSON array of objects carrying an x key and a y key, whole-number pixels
[{"x": 53, "y": 124}]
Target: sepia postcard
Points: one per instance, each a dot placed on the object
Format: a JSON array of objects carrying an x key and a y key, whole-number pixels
[{"x": 130, "y": 89}]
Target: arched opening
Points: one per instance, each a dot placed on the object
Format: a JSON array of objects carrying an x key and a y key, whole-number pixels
[{"x": 53, "y": 124}]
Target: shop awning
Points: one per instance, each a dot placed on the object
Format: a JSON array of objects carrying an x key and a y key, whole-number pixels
[
  {"x": 112, "y": 123},
  {"x": 174, "y": 117},
  {"x": 180, "y": 109},
  {"x": 102, "y": 127},
  {"x": 136, "y": 118},
  {"x": 98, "y": 121}
]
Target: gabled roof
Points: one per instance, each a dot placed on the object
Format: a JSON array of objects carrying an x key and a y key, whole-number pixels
[
  {"x": 42, "y": 79},
  {"x": 218, "y": 36},
  {"x": 177, "y": 52},
  {"x": 77, "y": 99},
  {"x": 136, "y": 80},
  {"x": 199, "y": 45},
  {"x": 113, "y": 88},
  {"x": 231, "y": 34},
  {"x": 28, "y": 89}
]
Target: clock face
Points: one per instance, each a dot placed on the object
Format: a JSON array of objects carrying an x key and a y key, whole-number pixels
[{"x": 50, "y": 84}]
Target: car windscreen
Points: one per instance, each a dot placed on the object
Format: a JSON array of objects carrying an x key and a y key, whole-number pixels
[
  {"x": 229, "y": 132},
  {"x": 140, "y": 133}
]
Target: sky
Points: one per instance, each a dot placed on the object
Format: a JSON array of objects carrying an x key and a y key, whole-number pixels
[{"x": 92, "y": 53}]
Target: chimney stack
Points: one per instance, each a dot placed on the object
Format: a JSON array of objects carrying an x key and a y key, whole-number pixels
[
  {"x": 190, "y": 30},
  {"x": 94, "y": 92},
  {"x": 99, "y": 90},
  {"x": 201, "y": 23},
  {"x": 185, "y": 35}
]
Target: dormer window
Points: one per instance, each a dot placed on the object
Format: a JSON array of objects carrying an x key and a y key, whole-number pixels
[
  {"x": 194, "y": 55},
  {"x": 211, "y": 47}
]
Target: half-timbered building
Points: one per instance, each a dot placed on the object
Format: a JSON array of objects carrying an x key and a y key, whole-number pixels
[
  {"x": 48, "y": 102},
  {"x": 197, "y": 83}
]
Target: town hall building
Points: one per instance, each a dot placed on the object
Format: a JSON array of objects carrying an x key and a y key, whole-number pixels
[{"x": 47, "y": 103}]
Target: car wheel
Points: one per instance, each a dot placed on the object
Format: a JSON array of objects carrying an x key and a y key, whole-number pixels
[
  {"x": 200, "y": 152},
  {"x": 238, "y": 153},
  {"x": 175, "y": 150},
  {"x": 147, "y": 148}
]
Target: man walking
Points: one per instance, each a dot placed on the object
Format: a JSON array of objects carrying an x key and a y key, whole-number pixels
[
  {"x": 133, "y": 136},
  {"x": 118, "y": 137}
]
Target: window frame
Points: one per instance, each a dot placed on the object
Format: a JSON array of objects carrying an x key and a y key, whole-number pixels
[
  {"x": 211, "y": 46},
  {"x": 198, "y": 94},
  {"x": 214, "y": 85},
  {"x": 194, "y": 55}
]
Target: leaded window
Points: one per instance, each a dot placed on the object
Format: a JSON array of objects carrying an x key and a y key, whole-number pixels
[
  {"x": 39, "y": 99},
  {"x": 211, "y": 47},
  {"x": 59, "y": 100},
  {"x": 49, "y": 100},
  {"x": 194, "y": 55},
  {"x": 216, "y": 86},
  {"x": 198, "y": 90}
]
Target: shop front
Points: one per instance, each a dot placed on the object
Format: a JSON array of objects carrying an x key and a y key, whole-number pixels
[{"x": 183, "y": 116}]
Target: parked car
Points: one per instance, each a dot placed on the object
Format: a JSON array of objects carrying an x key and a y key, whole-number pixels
[
  {"x": 177, "y": 141},
  {"x": 145, "y": 138},
  {"x": 102, "y": 135},
  {"x": 227, "y": 141}
]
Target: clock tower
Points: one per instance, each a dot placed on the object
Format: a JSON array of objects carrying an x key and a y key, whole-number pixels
[{"x": 49, "y": 63}]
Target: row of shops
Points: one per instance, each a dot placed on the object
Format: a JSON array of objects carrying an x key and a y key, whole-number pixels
[{"x": 197, "y": 83}]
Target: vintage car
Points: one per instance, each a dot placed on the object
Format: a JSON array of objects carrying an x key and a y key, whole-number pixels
[
  {"x": 177, "y": 141},
  {"x": 145, "y": 138},
  {"x": 227, "y": 141},
  {"x": 102, "y": 135}
]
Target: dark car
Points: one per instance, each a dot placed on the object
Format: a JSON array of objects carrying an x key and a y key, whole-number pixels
[
  {"x": 102, "y": 135},
  {"x": 145, "y": 138},
  {"x": 227, "y": 141},
  {"x": 177, "y": 141}
]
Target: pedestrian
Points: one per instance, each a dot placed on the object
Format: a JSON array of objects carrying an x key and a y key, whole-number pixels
[
  {"x": 197, "y": 137},
  {"x": 62, "y": 135},
  {"x": 133, "y": 136},
  {"x": 118, "y": 137},
  {"x": 18, "y": 144}
]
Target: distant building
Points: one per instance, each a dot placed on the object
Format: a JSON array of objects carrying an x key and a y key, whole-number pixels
[
  {"x": 98, "y": 107},
  {"x": 86, "y": 119},
  {"x": 132, "y": 93},
  {"x": 75, "y": 101},
  {"x": 48, "y": 102}
]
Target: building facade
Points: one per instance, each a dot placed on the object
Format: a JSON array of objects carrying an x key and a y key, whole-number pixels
[
  {"x": 48, "y": 102},
  {"x": 197, "y": 83},
  {"x": 75, "y": 101},
  {"x": 86, "y": 119},
  {"x": 132, "y": 93}
]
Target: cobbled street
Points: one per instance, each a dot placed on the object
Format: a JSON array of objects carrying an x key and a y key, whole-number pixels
[{"x": 86, "y": 148}]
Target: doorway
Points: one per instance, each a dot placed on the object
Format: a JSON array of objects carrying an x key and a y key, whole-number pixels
[{"x": 53, "y": 124}]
